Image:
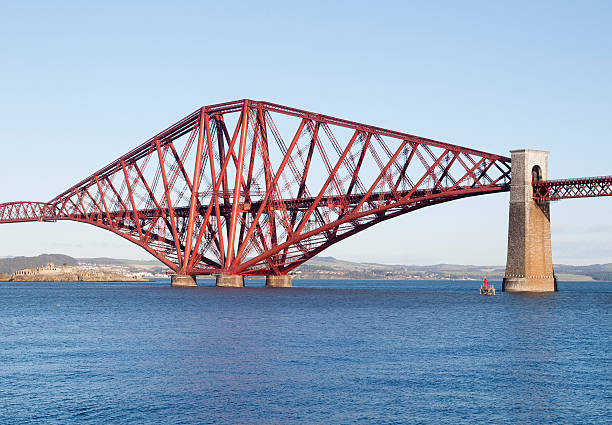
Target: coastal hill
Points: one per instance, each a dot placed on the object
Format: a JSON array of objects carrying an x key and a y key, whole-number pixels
[
  {"x": 59, "y": 267},
  {"x": 317, "y": 268},
  {"x": 65, "y": 273},
  {"x": 12, "y": 264},
  {"x": 331, "y": 268}
]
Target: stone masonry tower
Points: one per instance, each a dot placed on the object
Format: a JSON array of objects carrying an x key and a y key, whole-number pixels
[{"x": 529, "y": 265}]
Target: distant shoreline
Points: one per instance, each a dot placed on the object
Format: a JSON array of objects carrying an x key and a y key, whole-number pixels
[{"x": 317, "y": 268}]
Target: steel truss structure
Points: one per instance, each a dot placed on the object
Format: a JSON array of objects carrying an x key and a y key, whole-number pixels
[
  {"x": 255, "y": 188},
  {"x": 586, "y": 187}
]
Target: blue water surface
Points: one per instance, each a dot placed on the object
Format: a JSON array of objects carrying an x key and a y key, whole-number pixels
[{"x": 324, "y": 352}]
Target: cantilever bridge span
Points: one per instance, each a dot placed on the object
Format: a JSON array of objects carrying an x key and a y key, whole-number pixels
[{"x": 255, "y": 188}]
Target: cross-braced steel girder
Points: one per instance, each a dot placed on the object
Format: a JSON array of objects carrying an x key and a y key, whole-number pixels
[
  {"x": 585, "y": 187},
  {"x": 19, "y": 212},
  {"x": 256, "y": 188}
]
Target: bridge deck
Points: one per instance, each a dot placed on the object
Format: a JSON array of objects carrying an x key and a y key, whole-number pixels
[{"x": 585, "y": 187}]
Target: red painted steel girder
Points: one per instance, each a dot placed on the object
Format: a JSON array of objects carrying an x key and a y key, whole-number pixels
[
  {"x": 19, "y": 212},
  {"x": 585, "y": 187},
  {"x": 256, "y": 188}
]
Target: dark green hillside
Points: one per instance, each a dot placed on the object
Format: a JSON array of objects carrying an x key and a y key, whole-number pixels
[{"x": 10, "y": 265}]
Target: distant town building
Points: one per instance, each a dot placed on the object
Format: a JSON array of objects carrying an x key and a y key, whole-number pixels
[{"x": 50, "y": 268}]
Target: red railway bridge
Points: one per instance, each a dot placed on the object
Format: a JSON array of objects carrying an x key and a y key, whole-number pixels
[{"x": 255, "y": 188}]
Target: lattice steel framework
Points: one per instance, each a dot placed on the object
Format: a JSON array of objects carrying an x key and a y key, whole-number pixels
[
  {"x": 16, "y": 212},
  {"x": 256, "y": 188},
  {"x": 586, "y": 187}
]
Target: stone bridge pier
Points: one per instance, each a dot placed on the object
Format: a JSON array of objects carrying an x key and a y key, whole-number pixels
[
  {"x": 233, "y": 281},
  {"x": 529, "y": 264}
]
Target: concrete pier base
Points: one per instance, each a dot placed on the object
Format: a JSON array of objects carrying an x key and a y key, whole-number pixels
[
  {"x": 283, "y": 281},
  {"x": 529, "y": 284},
  {"x": 230, "y": 281},
  {"x": 183, "y": 280},
  {"x": 529, "y": 265}
]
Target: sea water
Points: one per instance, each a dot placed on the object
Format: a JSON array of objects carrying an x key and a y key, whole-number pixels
[{"x": 322, "y": 352}]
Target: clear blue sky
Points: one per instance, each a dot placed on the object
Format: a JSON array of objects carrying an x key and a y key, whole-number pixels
[{"x": 82, "y": 83}]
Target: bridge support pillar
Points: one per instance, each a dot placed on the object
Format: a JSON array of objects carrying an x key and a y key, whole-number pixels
[
  {"x": 283, "y": 281},
  {"x": 230, "y": 280},
  {"x": 183, "y": 280},
  {"x": 529, "y": 263}
]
